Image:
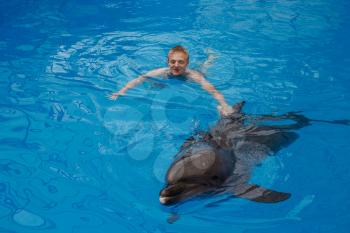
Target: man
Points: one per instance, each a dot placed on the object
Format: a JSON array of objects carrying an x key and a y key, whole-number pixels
[{"x": 178, "y": 60}]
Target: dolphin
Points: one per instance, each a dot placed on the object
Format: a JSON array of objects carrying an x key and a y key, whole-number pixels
[{"x": 222, "y": 160}]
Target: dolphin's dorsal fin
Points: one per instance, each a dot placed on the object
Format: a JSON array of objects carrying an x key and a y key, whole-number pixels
[
  {"x": 238, "y": 107},
  {"x": 259, "y": 194}
]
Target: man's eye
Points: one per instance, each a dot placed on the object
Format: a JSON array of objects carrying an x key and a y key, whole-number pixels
[
  {"x": 181, "y": 62},
  {"x": 172, "y": 62}
]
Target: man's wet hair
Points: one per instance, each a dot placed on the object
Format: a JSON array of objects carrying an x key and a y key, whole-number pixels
[{"x": 181, "y": 49}]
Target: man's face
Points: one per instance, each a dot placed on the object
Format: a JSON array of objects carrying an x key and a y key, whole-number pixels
[{"x": 177, "y": 62}]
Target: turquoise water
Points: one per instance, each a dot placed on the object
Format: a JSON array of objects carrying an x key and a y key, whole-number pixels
[{"x": 74, "y": 161}]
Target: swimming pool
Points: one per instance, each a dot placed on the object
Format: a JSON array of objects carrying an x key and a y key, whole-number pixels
[{"x": 74, "y": 161}]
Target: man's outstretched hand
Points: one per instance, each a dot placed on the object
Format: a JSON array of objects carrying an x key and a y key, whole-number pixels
[
  {"x": 225, "y": 110},
  {"x": 114, "y": 96}
]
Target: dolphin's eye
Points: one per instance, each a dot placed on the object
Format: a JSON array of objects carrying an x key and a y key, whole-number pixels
[{"x": 214, "y": 177}]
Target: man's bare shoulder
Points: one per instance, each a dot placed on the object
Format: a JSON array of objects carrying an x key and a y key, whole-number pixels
[
  {"x": 157, "y": 72},
  {"x": 195, "y": 75}
]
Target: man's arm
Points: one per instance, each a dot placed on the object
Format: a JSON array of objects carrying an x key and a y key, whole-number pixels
[
  {"x": 136, "y": 81},
  {"x": 211, "y": 57},
  {"x": 223, "y": 107}
]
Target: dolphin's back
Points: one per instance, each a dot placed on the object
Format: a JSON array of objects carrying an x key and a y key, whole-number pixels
[{"x": 272, "y": 138}]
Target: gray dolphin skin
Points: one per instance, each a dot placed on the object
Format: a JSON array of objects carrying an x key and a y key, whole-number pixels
[{"x": 221, "y": 160}]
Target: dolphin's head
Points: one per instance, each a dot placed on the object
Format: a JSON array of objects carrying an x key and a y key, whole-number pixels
[{"x": 200, "y": 170}]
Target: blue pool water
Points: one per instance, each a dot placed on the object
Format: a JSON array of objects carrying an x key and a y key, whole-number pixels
[{"x": 73, "y": 161}]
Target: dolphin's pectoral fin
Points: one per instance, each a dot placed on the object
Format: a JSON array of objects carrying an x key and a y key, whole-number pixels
[
  {"x": 259, "y": 194},
  {"x": 173, "y": 217}
]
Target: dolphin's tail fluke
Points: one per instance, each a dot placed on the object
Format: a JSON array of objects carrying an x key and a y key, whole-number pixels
[
  {"x": 300, "y": 120},
  {"x": 337, "y": 122}
]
